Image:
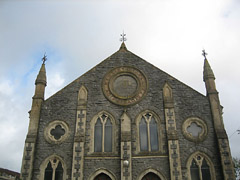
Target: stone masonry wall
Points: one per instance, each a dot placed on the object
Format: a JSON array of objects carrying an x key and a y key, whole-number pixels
[{"x": 188, "y": 103}]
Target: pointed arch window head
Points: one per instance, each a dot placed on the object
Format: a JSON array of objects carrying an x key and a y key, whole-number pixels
[
  {"x": 201, "y": 168},
  {"x": 102, "y": 176},
  {"x": 54, "y": 170},
  {"x": 148, "y": 133},
  {"x": 103, "y": 134},
  {"x": 150, "y": 176}
]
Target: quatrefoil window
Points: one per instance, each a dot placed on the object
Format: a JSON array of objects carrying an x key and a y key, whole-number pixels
[
  {"x": 194, "y": 129},
  {"x": 56, "y": 132}
]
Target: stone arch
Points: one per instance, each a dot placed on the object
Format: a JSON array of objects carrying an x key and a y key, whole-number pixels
[
  {"x": 167, "y": 91},
  {"x": 82, "y": 95},
  {"x": 150, "y": 170},
  {"x": 102, "y": 171},
  {"x": 158, "y": 121},
  {"x": 203, "y": 150},
  {"x": 203, "y": 156},
  {"x": 45, "y": 162},
  {"x": 167, "y": 95},
  {"x": 92, "y": 126}
]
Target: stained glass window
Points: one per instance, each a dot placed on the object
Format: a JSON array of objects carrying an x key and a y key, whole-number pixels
[
  {"x": 153, "y": 135},
  {"x": 143, "y": 135},
  {"x": 103, "y": 134},
  {"x": 48, "y": 172},
  {"x": 54, "y": 170},
  {"x": 148, "y": 133},
  {"x": 200, "y": 169},
  {"x": 98, "y": 136},
  {"x": 108, "y": 136},
  {"x": 59, "y": 172},
  {"x": 205, "y": 171},
  {"x": 194, "y": 171}
]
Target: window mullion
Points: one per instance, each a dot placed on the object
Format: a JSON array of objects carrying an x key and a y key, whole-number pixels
[
  {"x": 54, "y": 170},
  {"x": 200, "y": 172},
  {"x": 103, "y": 135},
  {"x": 148, "y": 134}
]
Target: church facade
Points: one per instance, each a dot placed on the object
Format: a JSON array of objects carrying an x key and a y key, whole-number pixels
[{"x": 125, "y": 119}]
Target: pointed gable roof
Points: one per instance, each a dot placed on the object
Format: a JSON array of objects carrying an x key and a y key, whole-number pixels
[{"x": 124, "y": 57}]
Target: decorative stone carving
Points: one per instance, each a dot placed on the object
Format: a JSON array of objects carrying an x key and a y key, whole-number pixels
[
  {"x": 56, "y": 132},
  {"x": 124, "y": 85},
  {"x": 194, "y": 129}
]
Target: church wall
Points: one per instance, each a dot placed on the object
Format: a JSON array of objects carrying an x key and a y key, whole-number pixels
[
  {"x": 92, "y": 165},
  {"x": 187, "y": 103},
  {"x": 159, "y": 164},
  {"x": 190, "y": 104},
  {"x": 61, "y": 106}
]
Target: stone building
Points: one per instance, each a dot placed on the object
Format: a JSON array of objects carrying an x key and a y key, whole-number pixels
[
  {"x": 125, "y": 119},
  {"x": 6, "y": 174}
]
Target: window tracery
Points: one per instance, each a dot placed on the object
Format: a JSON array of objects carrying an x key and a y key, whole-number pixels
[
  {"x": 148, "y": 132},
  {"x": 194, "y": 129},
  {"x": 102, "y": 131},
  {"x": 53, "y": 169},
  {"x": 56, "y": 132},
  {"x": 200, "y": 168}
]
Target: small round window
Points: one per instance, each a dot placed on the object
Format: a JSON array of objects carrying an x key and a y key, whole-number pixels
[
  {"x": 194, "y": 129},
  {"x": 56, "y": 132}
]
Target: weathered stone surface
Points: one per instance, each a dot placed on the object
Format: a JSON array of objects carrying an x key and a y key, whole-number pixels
[{"x": 187, "y": 103}]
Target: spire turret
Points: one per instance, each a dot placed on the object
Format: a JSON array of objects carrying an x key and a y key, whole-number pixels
[
  {"x": 216, "y": 109},
  {"x": 38, "y": 98},
  {"x": 41, "y": 81},
  {"x": 207, "y": 70},
  {"x": 208, "y": 76},
  {"x": 41, "y": 77}
]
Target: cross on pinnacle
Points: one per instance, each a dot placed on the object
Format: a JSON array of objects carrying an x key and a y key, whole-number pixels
[
  {"x": 44, "y": 59},
  {"x": 204, "y": 54},
  {"x": 123, "y": 38}
]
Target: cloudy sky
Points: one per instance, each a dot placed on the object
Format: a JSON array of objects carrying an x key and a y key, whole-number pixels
[{"x": 76, "y": 35}]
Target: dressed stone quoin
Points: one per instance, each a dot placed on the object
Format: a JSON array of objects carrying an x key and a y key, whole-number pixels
[{"x": 125, "y": 119}]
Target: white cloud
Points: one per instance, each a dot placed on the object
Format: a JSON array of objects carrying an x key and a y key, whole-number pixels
[
  {"x": 6, "y": 88},
  {"x": 79, "y": 34},
  {"x": 55, "y": 82}
]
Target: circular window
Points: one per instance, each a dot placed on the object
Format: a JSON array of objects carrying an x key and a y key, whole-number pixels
[
  {"x": 194, "y": 129},
  {"x": 56, "y": 132},
  {"x": 124, "y": 85}
]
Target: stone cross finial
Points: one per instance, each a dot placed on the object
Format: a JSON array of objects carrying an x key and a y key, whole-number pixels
[
  {"x": 204, "y": 54},
  {"x": 123, "y": 38},
  {"x": 44, "y": 59}
]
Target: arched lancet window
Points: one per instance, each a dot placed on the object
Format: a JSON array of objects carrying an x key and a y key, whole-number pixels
[
  {"x": 150, "y": 176},
  {"x": 102, "y": 176},
  {"x": 103, "y": 134},
  {"x": 54, "y": 170},
  {"x": 200, "y": 168},
  {"x": 148, "y": 133}
]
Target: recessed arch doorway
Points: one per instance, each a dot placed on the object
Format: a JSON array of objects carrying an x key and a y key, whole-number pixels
[
  {"x": 102, "y": 176},
  {"x": 150, "y": 176}
]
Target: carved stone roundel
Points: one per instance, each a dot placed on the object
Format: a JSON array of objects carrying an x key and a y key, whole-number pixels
[
  {"x": 125, "y": 85},
  {"x": 56, "y": 132},
  {"x": 195, "y": 129}
]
